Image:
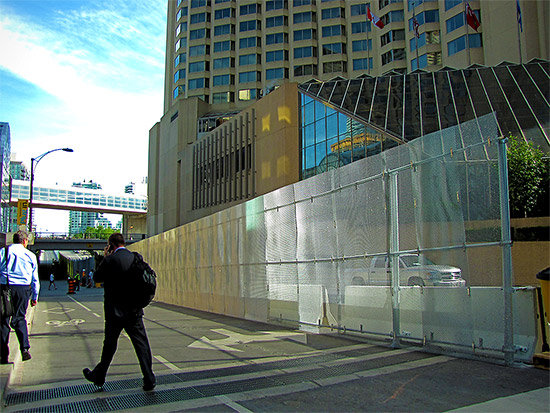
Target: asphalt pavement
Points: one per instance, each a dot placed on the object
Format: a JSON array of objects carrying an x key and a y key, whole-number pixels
[{"x": 212, "y": 363}]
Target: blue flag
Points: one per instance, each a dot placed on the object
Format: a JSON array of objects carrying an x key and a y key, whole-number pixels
[{"x": 519, "y": 15}]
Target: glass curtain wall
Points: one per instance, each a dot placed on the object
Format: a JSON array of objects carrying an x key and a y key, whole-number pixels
[{"x": 346, "y": 120}]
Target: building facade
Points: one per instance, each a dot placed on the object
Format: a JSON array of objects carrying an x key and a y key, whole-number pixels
[
  {"x": 80, "y": 220},
  {"x": 5, "y": 150},
  {"x": 227, "y": 135}
]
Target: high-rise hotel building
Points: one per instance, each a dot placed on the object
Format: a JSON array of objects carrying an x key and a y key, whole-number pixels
[
  {"x": 225, "y": 138},
  {"x": 233, "y": 52}
]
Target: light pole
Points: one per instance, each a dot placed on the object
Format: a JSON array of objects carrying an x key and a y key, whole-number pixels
[{"x": 34, "y": 161}]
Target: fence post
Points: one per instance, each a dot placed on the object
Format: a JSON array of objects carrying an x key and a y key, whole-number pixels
[
  {"x": 506, "y": 242},
  {"x": 393, "y": 227}
]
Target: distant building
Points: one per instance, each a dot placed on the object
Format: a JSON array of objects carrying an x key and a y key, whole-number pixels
[
  {"x": 18, "y": 171},
  {"x": 80, "y": 220},
  {"x": 129, "y": 189},
  {"x": 5, "y": 149},
  {"x": 102, "y": 221}
]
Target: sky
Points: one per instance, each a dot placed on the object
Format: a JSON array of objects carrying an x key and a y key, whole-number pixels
[{"x": 87, "y": 75}]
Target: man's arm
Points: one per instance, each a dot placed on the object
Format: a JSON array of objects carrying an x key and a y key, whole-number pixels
[{"x": 35, "y": 282}]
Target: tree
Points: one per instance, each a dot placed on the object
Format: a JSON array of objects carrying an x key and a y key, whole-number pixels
[{"x": 526, "y": 173}]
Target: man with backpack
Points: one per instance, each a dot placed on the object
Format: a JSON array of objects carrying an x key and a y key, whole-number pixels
[{"x": 119, "y": 278}]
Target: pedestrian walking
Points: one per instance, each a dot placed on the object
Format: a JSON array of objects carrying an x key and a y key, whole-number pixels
[
  {"x": 77, "y": 279},
  {"x": 19, "y": 269},
  {"x": 52, "y": 281},
  {"x": 91, "y": 279},
  {"x": 112, "y": 271}
]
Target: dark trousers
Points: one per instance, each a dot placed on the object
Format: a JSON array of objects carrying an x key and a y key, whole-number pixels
[
  {"x": 132, "y": 323},
  {"x": 20, "y": 297}
]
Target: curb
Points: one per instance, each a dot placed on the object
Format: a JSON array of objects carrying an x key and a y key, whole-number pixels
[{"x": 7, "y": 370}]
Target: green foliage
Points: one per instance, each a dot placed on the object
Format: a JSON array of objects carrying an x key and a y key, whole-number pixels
[
  {"x": 526, "y": 172},
  {"x": 98, "y": 232}
]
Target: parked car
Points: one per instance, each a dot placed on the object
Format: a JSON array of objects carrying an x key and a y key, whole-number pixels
[{"x": 413, "y": 270}]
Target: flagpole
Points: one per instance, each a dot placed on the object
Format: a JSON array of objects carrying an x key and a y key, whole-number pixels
[
  {"x": 518, "y": 16},
  {"x": 467, "y": 39},
  {"x": 368, "y": 48}
]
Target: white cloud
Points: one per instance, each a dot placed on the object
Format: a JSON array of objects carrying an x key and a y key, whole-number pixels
[{"x": 101, "y": 70}]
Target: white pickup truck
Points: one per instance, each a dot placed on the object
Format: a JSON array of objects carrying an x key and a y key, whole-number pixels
[{"x": 413, "y": 270}]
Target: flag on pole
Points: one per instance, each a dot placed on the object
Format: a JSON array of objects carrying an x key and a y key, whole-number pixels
[
  {"x": 415, "y": 26},
  {"x": 518, "y": 10},
  {"x": 371, "y": 17},
  {"x": 471, "y": 18}
]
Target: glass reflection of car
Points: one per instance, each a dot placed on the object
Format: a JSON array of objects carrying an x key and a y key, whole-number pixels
[{"x": 413, "y": 270}]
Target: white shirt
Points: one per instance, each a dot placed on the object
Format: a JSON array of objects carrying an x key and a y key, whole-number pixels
[{"x": 21, "y": 267}]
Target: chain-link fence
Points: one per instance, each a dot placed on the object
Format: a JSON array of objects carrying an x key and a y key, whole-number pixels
[{"x": 405, "y": 245}]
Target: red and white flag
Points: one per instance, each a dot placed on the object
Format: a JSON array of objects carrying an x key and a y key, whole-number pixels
[
  {"x": 471, "y": 18},
  {"x": 371, "y": 17},
  {"x": 415, "y": 27}
]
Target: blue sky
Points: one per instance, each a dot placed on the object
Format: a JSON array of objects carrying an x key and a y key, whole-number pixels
[{"x": 84, "y": 74}]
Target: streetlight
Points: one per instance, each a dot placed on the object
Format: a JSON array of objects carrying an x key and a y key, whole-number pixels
[{"x": 34, "y": 161}]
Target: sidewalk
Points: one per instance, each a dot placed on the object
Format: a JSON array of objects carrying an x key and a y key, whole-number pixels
[{"x": 452, "y": 386}]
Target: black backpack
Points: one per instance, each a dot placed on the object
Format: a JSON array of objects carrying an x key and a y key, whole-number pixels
[{"x": 142, "y": 283}]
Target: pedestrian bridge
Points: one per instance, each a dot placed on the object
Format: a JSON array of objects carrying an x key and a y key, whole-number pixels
[
  {"x": 51, "y": 241},
  {"x": 78, "y": 199}
]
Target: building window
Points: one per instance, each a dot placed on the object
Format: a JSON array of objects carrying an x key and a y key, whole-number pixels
[
  {"x": 221, "y": 80},
  {"x": 304, "y": 17},
  {"x": 180, "y": 74},
  {"x": 305, "y": 70},
  {"x": 249, "y": 25},
  {"x": 181, "y": 43},
  {"x": 336, "y": 30},
  {"x": 276, "y": 55},
  {"x": 199, "y": 50},
  {"x": 276, "y": 21},
  {"x": 181, "y": 13},
  {"x": 331, "y": 67},
  {"x": 223, "y": 63},
  {"x": 449, "y": 4},
  {"x": 361, "y": 45},
  {"x": 412, "y": 4},
  {"x": 276, "y": 5},
  {"x": 334, "y": 48},
  {"x": 305, "y": 34},
  {"x": 384, "y": 3},
  {"x": 197, "y": 18},
  {"x": 248, "y": 94},
  {"x": 197, "y": 67},
  {"x": 197, "y": 34},
  {"x": 362, "y": 64},
  {"x": 360, "y": 27},
  {"x": 298, "y": 3},
  {"x": 249, "y": 59},
  {"x": 393, "y": 16},
  {"x": 308, "y": 51},
  {"x": 249, "y": 9},
  {"x": 224, "y": 14},
  {"x": 358, "y": 10},
  {"x": 278, "y": 73},
  {"x": 392, "y": 36},
  {"x": 224, "y": 46},
  {"x": 198, "y": 3},
  {"x": 197, "y": 83},
  {"x": 224, "y": 29},
  {"x": 223, "y": 97},
  {"x": 182, "y": 27},
  {"x": 181, "y": 58},
  {"x": 276, "y": 38},
  {"x": 394, "y": 54},
  {"x": 245, "y": 77},
  {"x": 249, "y": 42},
  {"x": 457, "y": 45},
  {"x": 428, "y": 16},
  {"x": 333, "y": 13}
]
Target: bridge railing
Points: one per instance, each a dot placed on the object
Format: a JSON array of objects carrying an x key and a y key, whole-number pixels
[{"x": 91, "y": 236}]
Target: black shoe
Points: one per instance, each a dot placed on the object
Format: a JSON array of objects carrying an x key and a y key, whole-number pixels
[
  {"x": 148, "y": 386},
  {"x": 5, "y": 361},
  {"x": 90, "y": 377},
  {"x": 26, "y": 355}
]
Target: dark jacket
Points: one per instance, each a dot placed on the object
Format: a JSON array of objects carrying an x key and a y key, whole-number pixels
[{"x": 113, "y": 273}]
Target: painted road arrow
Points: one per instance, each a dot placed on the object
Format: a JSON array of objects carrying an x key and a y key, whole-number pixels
[{"x": 233, "y": 338}]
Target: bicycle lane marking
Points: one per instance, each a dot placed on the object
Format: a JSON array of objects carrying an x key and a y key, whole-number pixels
[{"x": 84, "y": 307}]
